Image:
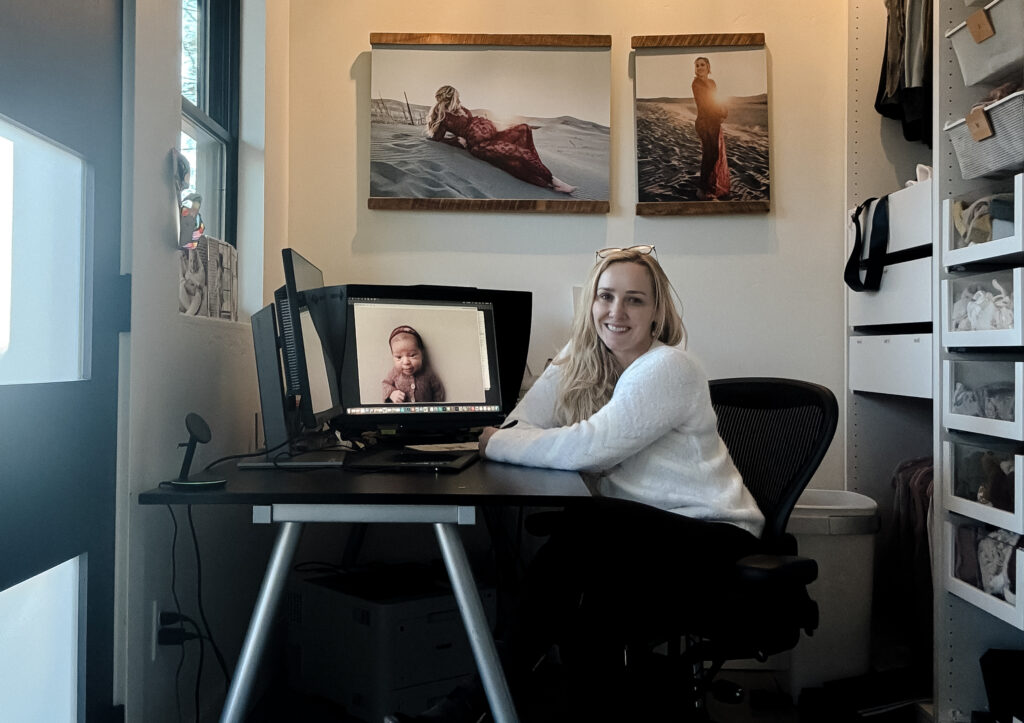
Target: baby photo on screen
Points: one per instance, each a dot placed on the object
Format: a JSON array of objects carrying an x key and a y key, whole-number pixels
[{"x": 420, "y": 354}]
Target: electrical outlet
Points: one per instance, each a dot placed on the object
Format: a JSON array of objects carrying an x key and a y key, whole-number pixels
[{"x": 154, "y": 617}]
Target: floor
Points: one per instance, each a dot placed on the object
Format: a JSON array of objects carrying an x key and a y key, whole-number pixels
[{"x": 764, "y": 701}]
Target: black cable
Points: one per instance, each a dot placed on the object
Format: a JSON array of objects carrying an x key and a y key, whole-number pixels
[
  {"x": 199, "y": 600},
  {"x": 199, "y": 674},
  {"x": 257, "y": 453},
  {"x": 177, "y": 607}
]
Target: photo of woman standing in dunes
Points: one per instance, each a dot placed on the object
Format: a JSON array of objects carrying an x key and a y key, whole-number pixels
[
  {"x": 714, "y": 168},
  {"x": 701, "y": 125}
]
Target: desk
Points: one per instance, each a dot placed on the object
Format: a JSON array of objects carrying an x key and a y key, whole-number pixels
[{"x": 294, "y": 497}]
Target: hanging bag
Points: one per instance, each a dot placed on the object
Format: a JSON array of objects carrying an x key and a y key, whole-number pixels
[{"x": 878, "y": 241}]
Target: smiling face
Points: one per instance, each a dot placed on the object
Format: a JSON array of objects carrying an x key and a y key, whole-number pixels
[
  {"x": 407, "y": 354},
  {"x": 623, "y": 310},
  {"x": 701, "y": 67}
]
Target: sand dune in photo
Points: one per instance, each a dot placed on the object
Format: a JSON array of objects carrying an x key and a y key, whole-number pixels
[
  {"x": 668, "y": 149},
  {"x": 404, "y": 163}
]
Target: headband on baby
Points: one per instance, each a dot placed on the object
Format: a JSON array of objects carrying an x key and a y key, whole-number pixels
[{"x": 405, "y": 330}]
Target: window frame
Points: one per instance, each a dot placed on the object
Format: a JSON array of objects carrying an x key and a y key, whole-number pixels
[{"x": 217, "y": 92}]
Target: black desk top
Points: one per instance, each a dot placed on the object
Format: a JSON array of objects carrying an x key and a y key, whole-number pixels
[{"x": 482, "y": 483}]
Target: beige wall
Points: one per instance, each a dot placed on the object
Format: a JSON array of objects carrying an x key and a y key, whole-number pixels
[{"x": 762, "y": 294}]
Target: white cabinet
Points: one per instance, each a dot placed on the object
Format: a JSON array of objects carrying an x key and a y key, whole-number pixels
[
  {"x": 991, "y": 598},
  {"x": 984, "y": 481},
  {"x": 984, "y": 397},
  {"x": 982, "y": 310},
  {"x": 904, "y": 296},
  {"x": 1001, "y": 242},
  {"x": 892, "y": 364}
]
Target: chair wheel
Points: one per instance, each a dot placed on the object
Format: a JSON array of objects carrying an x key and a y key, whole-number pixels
[{"x": 725, "y": 691}]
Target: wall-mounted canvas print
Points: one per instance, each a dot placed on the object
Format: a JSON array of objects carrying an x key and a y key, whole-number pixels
[
  {"x": 701, "y": 108},
  {"x": 490, "y": 122}
]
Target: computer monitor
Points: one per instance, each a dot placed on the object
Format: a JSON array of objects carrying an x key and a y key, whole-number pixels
[
  {"x": 472, "y": 343},
  {"x": 309, "y": 383}
]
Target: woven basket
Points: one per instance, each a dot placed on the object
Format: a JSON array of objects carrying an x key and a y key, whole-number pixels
[
  {"x": 1001, "y": 153},
  {"x": 999, "y": 56}
]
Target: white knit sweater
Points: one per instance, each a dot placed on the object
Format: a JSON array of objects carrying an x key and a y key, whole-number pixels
[{"x": 655, "y": 441}]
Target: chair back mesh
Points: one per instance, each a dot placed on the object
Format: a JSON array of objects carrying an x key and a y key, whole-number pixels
[{"x": 777, "y": 431}]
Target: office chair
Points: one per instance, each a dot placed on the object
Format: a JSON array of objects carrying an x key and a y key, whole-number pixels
[{"x": 777, "y": 432}]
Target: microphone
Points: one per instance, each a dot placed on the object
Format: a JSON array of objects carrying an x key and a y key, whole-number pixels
[{"x": 198, "y": 433}]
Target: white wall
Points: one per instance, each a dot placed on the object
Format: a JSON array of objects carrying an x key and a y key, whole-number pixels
[
  {"x": 180, "y": 364},
  {"x": 762, "y": 294}
]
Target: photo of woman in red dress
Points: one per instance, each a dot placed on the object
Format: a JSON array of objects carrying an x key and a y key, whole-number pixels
[
  {"x": 511, "y": 149},
  {"x": 471, "y": 126},
  {"x": 714, "y": 167},
  {"x": 702, "y": 140}
]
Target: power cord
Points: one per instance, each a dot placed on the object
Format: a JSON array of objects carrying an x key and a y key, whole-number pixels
[
  {"x": 177, "y": 607},
  {"x": 199, "y": 601}
]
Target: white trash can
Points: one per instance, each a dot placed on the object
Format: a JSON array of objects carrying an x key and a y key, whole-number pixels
[{"x": 837, "y": 529}]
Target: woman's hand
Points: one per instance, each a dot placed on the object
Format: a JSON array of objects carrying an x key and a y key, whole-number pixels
[{"x": 485, "y": 436}]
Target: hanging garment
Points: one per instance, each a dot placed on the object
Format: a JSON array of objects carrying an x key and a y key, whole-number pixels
[{"x": 904, "y": 88}]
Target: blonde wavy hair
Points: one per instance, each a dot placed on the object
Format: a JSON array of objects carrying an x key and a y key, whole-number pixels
[
  {"x": 447, "y": 102},
  {"x": 590, "y": 369}
]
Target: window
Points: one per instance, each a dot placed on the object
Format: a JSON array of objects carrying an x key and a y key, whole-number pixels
[
  {"x": 41, "y": 628},
  {"x": 43, "y": 248},
  {"x": 209, "y": 109}
]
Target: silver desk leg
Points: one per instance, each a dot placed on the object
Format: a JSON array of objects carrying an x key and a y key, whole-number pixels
[
  {"x": 259, "y": 625},
  {"x": 477, "y": 629}
]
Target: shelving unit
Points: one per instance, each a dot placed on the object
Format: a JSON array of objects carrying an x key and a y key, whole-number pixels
[
  {"x": 883, "y": 428},
  {"x": 891, "y": 359},
  {"x": 978, "y": 397}
]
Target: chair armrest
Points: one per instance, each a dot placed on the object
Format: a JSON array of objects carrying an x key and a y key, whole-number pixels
[{"x": 777, "y": 569}]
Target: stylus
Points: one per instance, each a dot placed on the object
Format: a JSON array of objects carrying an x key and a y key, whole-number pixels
[{"x": 509, "y": 425}]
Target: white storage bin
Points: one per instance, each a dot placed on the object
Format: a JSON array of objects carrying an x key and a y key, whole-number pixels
[
  {"x": 984, "y": 484},
  {"x": 983, "y": 397},
  {"x": 1007, "y": 242},
  {"x": 898, "y": 364},
  {"x": 904, "y": 297},
  {"x": 910, "y": 217},
  {"x": 837, "y": 529},
  {"x": 999, "y": 154},
  {"x": 982, "y": 309},
  {"x": 1008, "y": 608},
  {"x": 998, "y": 56}
]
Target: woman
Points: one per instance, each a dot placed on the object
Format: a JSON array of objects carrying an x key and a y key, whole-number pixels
[
  {"x": 628, "y": 407},
  {"x": 511, "y": 150},
  {"x": 714, "y": 169}
]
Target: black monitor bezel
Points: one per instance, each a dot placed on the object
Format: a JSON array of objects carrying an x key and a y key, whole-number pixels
[
  {"x": 291, "y": 301},
  {"x": 511, "y": 314}
]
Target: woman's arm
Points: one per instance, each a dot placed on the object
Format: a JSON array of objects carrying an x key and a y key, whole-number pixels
[
  {"x": 537, "y": 407},
  {"x": 655, "y": 395}
]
